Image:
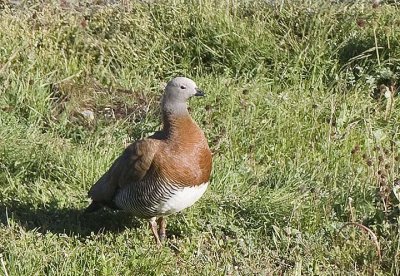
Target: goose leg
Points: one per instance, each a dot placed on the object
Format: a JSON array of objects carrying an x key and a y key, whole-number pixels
[
  {"x": 153, "y": 227},
  {"x": 162, "y": 225}
]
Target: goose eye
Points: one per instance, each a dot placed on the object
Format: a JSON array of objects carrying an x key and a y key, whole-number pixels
[{"x": 183, "y": 87}]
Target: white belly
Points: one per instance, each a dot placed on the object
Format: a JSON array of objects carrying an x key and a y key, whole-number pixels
[{"x": 182, "y": 199}]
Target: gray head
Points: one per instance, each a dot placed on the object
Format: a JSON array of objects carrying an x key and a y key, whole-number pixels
[{"x": 176, "y": 94}]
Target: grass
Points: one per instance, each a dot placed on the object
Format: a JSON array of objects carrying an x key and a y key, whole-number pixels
[{"x": 301, "y": 114}]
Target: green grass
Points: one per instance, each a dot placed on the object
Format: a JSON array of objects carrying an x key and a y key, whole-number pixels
[{"x": 303, "y": 139}]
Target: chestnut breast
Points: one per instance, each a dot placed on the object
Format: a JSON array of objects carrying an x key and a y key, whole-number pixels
[{"x": 185, "y": 158}]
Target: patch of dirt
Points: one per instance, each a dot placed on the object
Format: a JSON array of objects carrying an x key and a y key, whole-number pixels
[{"x": 91, "y": 102}]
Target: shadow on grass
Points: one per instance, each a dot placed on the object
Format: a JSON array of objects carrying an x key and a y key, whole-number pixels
[{"x": 71, "y": 222}]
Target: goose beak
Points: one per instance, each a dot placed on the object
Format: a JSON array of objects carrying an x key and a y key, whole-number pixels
[{"x": 199, "y": 92}]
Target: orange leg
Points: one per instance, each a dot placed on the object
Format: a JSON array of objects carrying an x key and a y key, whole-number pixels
[
  {"x": 162, "y": 225},
  {"x": 153, "y": 227}
]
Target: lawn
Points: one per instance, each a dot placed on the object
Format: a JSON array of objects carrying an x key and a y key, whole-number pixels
[{"x": 301, "y": 115}]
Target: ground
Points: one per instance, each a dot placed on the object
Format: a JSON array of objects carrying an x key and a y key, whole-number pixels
[{"x": 301, "y": 114}]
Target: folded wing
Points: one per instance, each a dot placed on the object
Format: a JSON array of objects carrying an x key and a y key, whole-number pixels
[{"x": 127, "y": 169}]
